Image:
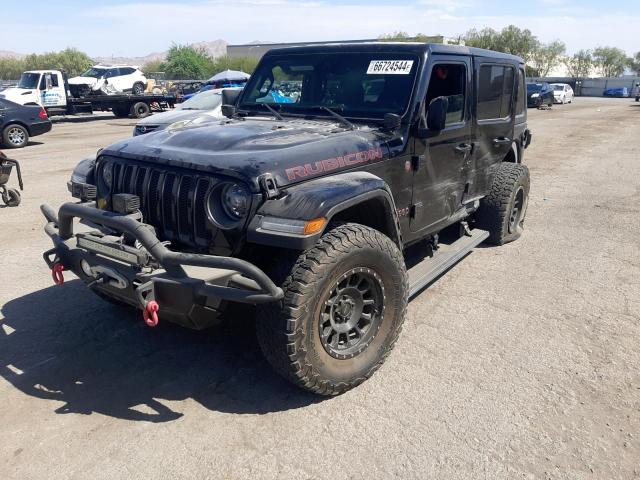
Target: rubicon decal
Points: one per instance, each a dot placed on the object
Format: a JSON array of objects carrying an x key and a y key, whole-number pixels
[{"x": 334, "y": 163}]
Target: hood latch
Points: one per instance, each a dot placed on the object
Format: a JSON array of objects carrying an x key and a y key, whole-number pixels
[{"x": 268, "y": 186}]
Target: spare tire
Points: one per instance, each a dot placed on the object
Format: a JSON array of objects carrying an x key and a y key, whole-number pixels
[{"x": 140, "y": 110}]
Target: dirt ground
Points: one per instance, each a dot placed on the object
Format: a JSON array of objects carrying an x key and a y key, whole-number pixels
[{"x": 521, "y": 362}]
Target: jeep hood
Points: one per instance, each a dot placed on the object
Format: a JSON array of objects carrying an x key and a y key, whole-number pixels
[{"x": 291, "y": 151}]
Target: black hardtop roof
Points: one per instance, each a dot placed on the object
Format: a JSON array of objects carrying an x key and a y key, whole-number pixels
[{"x": 409, "y": 47}]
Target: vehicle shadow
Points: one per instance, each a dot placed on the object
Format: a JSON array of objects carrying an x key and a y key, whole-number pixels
[{"x": 65, "y": 344}]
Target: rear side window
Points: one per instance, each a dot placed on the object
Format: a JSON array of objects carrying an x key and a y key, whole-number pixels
[
  {"x": 521, "y": 98},
  {"x": 495, "y": 89},
  {"x": 126, "y": 71}
]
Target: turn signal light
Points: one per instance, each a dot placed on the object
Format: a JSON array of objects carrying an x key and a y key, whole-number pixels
[{"x": 314, "y": 226}]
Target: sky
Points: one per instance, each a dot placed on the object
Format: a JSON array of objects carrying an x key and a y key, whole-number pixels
[{"x": 126, "y": 28}]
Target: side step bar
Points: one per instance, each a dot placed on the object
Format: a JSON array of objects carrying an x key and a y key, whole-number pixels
[{"x": 443, "y": 259}]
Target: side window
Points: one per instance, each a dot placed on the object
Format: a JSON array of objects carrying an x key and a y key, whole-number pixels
[
  {"x": 449, "y": 80},
  {"x": 54, "y": 80},
  {"x": 521, "y": 97},
  {"x": 495, "y": 88},
  {"x": 126, "y": 71},
  {"x": 112, "y": 72},
  {"x": 507, "y": 93},
  {"x": 43, "y": 83}
]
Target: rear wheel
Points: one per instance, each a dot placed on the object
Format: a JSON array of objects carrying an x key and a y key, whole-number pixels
[
  {"x": 343, "y": 309},
  {"x": 15, "y": 136},
  {"x": 140, "y": 110},
  {"x": 503, "y": 210}
]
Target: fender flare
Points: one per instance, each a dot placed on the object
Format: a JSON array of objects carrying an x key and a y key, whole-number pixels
[{"x": 323, "y": 197}]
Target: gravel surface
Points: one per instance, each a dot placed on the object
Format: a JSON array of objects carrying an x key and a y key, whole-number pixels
[{"x": 521, "y": 362}]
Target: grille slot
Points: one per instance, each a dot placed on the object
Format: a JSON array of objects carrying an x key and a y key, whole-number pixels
[{"x": 172, "y": 201}]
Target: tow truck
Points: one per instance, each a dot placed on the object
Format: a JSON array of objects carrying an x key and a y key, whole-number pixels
[{"x": 50, "y": 89}]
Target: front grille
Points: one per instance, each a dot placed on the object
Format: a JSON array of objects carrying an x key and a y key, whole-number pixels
[
  {"x": 142, "y": 129},
  {"x": 173, "y": 201}
]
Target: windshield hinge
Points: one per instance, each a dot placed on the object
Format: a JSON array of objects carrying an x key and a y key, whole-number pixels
[{"x": 268, "y": 186}]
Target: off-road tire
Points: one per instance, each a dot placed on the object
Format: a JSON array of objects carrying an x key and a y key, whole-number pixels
[
  {"x": 288, "y": 331},
  {"x": 140, "y": 110},
  {"x": 15, "y": 136},
  {"x": 496, "y": 209},
  {"x": 138, "y": 88}
]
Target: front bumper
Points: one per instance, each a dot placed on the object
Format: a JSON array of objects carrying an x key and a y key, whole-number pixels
[{"x": 189, "y": 288}]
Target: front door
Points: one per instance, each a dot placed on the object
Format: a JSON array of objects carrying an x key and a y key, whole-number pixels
[{"x": 440, "y": 162}]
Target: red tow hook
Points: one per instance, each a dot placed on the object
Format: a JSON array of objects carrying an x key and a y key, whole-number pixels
[
  {"x": 56, "y": 273},
  {"x": 150, "y": 313}
]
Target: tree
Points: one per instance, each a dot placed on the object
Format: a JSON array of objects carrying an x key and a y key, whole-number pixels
[
  {"x": 186, "y": 62},
  {"x": 510, "y": 39},
  {"x": 634, "y": 63},
  {"x": 153, "y": 66},
  {"x": 486, "y": 38},
  {"x": 70, "y": 60},
  {"x": 243, "y": 64},
  {"x": 405, "y": 37},
  {"x": 610, "y": 60},
  {"x": 547, "y": 56},
  {"x": 579, "y": 65},
  {"x": 11, "y": 68}
]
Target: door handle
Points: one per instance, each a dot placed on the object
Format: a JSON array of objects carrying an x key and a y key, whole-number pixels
[
  {"x": 464, "y": 148},
  {"x": 501, "y": 141}
]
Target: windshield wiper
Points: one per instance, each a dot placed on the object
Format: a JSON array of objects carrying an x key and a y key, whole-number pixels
[
  {"x": 339, "y": 117},
  {"x": 274, "y": 112}
]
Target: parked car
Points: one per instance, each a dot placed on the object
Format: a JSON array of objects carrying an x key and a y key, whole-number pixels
[
  {"x": 562, "y": 93},
  {"x": 122, "y": 78},
  {"x": 620, "y": 92},
  {"x": 327, "y": 212},
  {"x": 19, "y": 122},
  {"x": 539, "y": 95},
  {"x": 201, "y": 108}
]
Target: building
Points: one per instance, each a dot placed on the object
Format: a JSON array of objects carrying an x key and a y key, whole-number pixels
[{"x": 257, "y": 50}]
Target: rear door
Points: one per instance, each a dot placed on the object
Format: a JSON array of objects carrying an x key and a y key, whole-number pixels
[
  {"x": 494, "y": 125},
  {"x": 439, "y": 162}
]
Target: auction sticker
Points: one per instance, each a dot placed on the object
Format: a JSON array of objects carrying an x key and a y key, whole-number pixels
[{"x": 393, "y": 67}]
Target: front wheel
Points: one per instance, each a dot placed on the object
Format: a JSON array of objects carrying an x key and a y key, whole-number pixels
[
  {"x": 503, "y": 210},
  {"x": 343, "y": 308},
  {"x": 11, "y": 197}
]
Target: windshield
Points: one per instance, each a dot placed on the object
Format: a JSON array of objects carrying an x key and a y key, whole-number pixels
[
  {"x": 360, "y": 85},
  {"x": 534, "y": 87},
  {"x": 29, "y": 80},
  {"x": 558, "y": 88},
  {"x": 208, "y": 100},
  {"x": 94, "y": 72}
]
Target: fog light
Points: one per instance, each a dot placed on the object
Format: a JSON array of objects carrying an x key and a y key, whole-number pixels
[{"x": 125, "y": 203}]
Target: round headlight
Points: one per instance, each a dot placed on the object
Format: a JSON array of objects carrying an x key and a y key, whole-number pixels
[
  {"x": 107, "y": 174},
  {"x": 235, "y": 200}
]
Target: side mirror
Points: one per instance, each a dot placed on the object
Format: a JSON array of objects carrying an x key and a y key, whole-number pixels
[
  {"x": 437, "y": 114},
  {"x": 228, "y": 111},
  {"x": 391, "y": 121},
  {"x": 436, "y": 118},
  {"x": 230, "y": 96}
]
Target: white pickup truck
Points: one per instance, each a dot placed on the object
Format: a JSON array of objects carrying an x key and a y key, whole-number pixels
[{"x": 50, "y": 89}]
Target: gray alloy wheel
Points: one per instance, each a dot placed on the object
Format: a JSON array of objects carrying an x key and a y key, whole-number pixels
[{"x": 15, "y": 136}]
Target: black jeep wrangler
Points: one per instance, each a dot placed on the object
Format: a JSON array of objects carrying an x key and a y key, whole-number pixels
[{"x": 344, "y": 180}]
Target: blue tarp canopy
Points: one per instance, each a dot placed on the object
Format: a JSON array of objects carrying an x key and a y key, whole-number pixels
[{"x": 229, "y": 76}]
